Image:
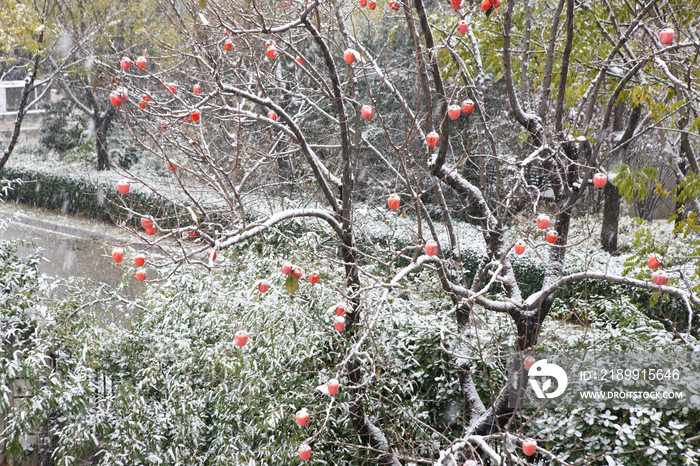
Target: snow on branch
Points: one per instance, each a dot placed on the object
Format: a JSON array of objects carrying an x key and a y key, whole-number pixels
[
  {"x": 536, "y": 155},
  {"x": 534, "y": 301},
  {"x": 257, "y": 228},
  {"x": 670, "y": 75},
  {"x": 490, "y": 304},
  {"x": 310, "y": 6}
]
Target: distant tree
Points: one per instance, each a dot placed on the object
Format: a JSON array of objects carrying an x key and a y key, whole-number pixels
[
  {"x": 26, "y": 37},
  {"x": 117, "y": 30}
]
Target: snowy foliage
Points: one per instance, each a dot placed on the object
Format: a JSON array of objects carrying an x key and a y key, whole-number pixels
[{"x": 173, "y": 388}]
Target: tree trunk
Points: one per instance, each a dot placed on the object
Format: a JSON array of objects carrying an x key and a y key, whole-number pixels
[
  {"x": 611, "y": 215},
  {"x": 102, "y": 154},
  {"x": 102, "y": 123},
  {"x": 685, "y": 155},
  {"x": 611, "y": 210},
  {"x": 28, "y": 88}
]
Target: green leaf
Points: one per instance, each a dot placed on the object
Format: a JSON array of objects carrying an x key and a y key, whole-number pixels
[
  {"x": 202, "y": 4},
  {"x": 291, "y": 284}
]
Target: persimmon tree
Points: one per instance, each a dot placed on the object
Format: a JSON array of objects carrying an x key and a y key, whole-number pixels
[{"x": 257, "y": 110}]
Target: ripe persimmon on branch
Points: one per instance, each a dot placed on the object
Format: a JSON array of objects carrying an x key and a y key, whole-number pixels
[{"x": 274, "y": 112}]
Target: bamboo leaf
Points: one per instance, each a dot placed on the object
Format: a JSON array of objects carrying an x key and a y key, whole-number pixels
[{"x": 291, "y": 284}]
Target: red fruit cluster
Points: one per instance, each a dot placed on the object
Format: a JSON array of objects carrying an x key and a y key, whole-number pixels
[
  {"x": 462, "y": 26},
  {"x": 240, "y": 338},
  {"x": 263, "y": 286},
  {"x": 528, "y": 362},
  {"x": 139, "y": 261},
  {"x": 432, "y": 139},
  {"x": 117, "y": 96},
  {"x": 271, "y": 52},
  {"x": 349, "y": 56},
  {"x": 487, "y": 4},
  {"x": 599, "y": 180},
  {"x": 118, "y": 255},
  {"x": 123, "y": 187},
  {"x": 289, "y": 268},
  {"x": 394, "y": 201},
  {"x": 145, "y": 98},
  {"x": 147, "y": 225},
  {"x": 542, "y": 221},
  {"x": 529, "y": 447}
]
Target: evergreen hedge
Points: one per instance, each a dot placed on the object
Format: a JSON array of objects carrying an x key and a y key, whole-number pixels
[{"x": 72, "y": 194}]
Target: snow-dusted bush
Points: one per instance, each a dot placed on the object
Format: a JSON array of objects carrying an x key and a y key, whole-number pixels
[{"x": 173, "y": 388}]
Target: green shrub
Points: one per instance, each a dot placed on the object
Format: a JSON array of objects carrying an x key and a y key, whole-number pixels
[
  {"x": 55, "y": 131},
  {"x": 72, "y": 194}
]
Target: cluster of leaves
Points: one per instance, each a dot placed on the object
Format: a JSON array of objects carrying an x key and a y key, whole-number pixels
[
  {"x": 55, "y": 132},
  {"x": 172, "y": 387},
  {"x": 654, "y": 435},
  {"x": 19, "y": 30}
]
